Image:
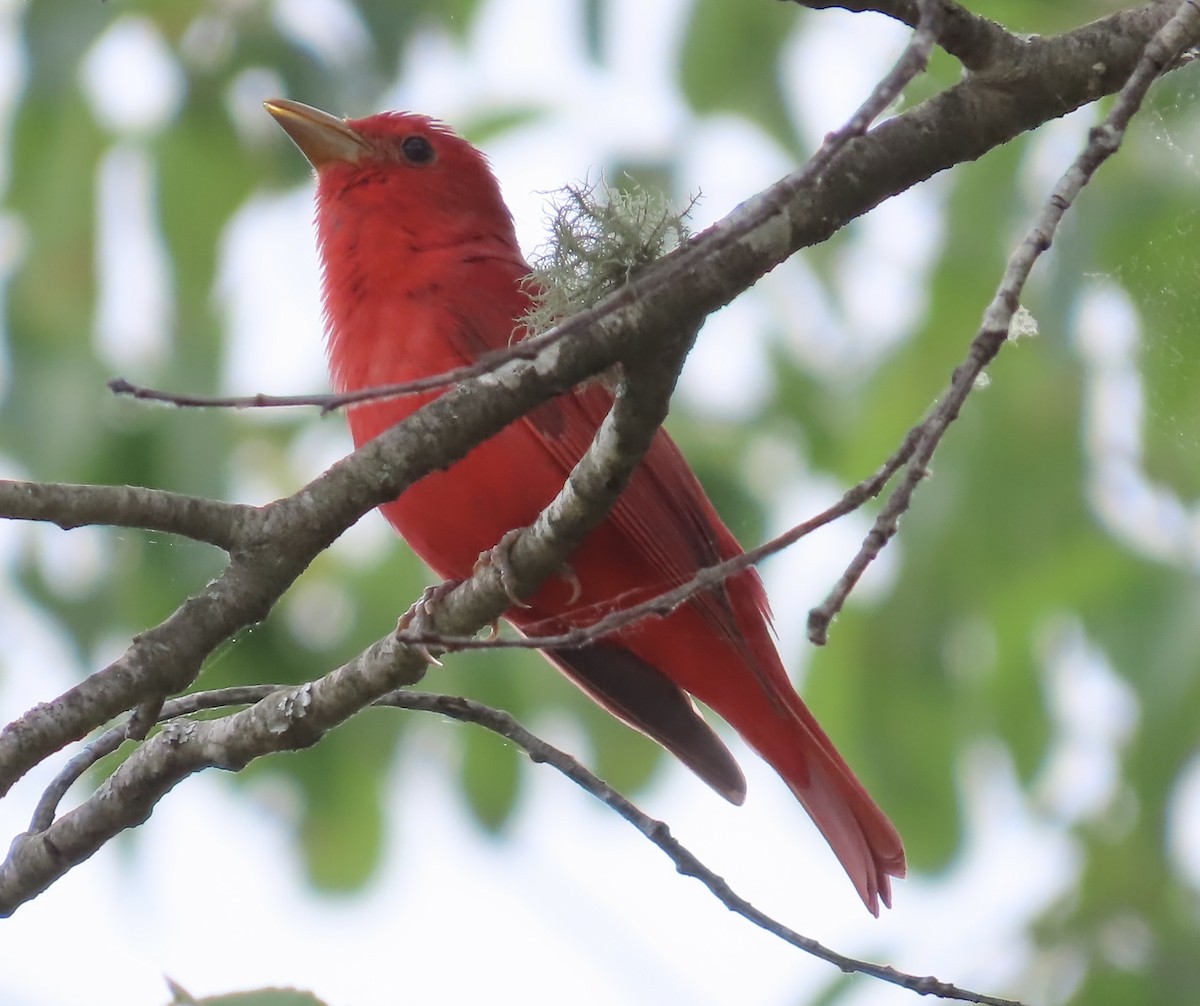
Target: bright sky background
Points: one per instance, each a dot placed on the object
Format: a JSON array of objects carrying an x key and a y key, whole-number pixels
[{"x": 573, "y": 906}]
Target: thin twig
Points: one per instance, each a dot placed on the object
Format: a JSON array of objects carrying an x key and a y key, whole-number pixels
[
  {"x": 705, "y": 579},
  {"x": 1161, "y": 52},
  {"x": 521, "y": 349},
  {"x": 114, "y": 737},
  {"x": 660, "y": 834},
  {"x": 908, "y": 66}
]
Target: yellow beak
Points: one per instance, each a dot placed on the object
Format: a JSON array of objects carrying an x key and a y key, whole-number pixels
[{"x": 321, "y": 137}]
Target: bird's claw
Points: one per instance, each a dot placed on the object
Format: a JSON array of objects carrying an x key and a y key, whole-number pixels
[
  {"x": 568, "y": 574},
  {"x": 416, "y": 619},
  {"x": 499, "y": 556}
]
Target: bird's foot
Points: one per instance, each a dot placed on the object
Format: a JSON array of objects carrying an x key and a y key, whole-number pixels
[
  {"x": 415, "y": 621},
  {"x": 499, "y": 556}
]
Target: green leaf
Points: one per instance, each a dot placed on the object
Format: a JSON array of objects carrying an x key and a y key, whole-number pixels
[{"x": 258, "y": 997}]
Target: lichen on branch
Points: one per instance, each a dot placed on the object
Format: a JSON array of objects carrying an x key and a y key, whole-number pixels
[{"x": 600, "y": 236}]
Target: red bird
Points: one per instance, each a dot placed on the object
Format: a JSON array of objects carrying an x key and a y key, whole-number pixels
[{"x": 422, "y": 273}]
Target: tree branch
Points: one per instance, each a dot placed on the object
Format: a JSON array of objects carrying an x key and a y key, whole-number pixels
[
  {"x": 922, "y": 440},
  {"x": 657, "y": 313},
  {"x": 705, "y": 579},
  {"x": 660, "y": 834},
  {"x": 976, "y": 42},
  {"x": 1025, "y": 86},
  {"x": 297, "y": 717},
  {"x": 541, "y": 752},
  {"x": 71, "y": 506},
  {"x": 279, "y": 540},
  {"x": 111, "y": 740},
  {"x": 1160, "y": 53}
]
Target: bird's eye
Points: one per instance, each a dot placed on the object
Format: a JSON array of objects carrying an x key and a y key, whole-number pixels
[{"x": 416, "y": 149}]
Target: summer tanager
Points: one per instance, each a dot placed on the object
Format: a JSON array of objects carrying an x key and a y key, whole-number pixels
[{"x": 422, "y": 273}]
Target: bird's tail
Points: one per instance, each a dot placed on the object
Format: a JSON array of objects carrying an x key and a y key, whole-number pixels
[{"x": 860, "y": 834}]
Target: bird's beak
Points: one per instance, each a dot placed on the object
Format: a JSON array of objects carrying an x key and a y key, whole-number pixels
[{"x": 321, "y": 137}]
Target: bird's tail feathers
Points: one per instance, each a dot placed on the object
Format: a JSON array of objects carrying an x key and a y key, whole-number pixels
[{"x": 865, "y": 842}]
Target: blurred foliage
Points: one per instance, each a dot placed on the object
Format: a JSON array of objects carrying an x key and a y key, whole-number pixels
[
  {"x": 719, "y": 74},
  {"x": 1003, "y": 547},
  {"x": 259, "y": 997}
]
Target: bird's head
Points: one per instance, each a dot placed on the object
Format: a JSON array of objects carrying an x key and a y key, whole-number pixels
[{"x": 415, "y": 171}]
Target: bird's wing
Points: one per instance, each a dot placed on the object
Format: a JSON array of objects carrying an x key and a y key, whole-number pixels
[{"x": 663, "y": 512}]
